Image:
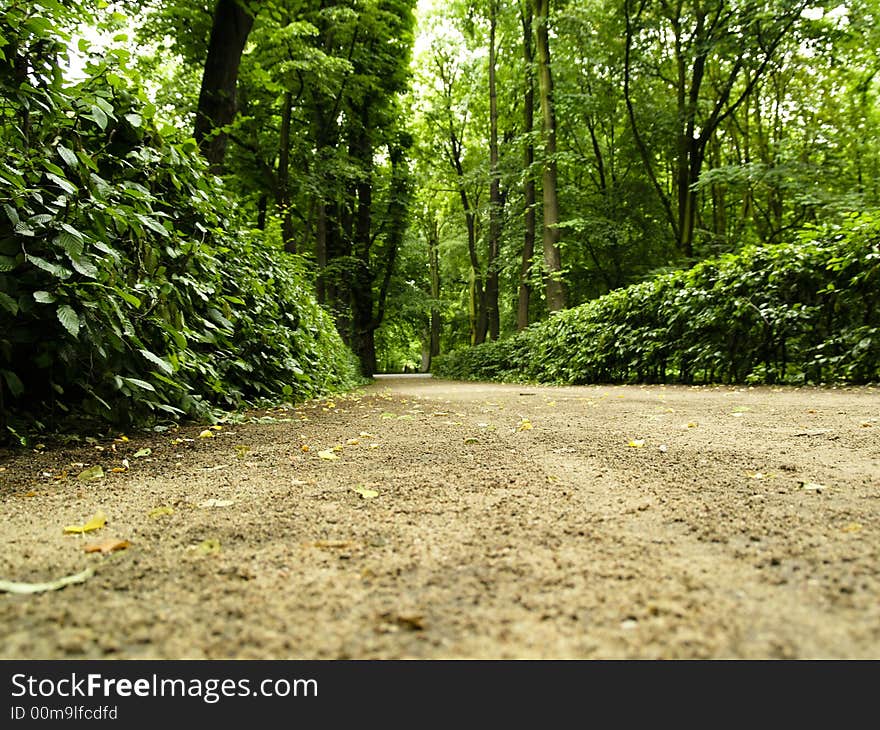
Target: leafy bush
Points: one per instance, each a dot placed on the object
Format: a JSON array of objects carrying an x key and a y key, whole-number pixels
[
  {"x": 790, "y": 313},
  {"x": 127, "y": 289}
]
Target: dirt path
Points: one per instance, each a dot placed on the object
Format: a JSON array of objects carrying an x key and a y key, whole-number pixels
[{"x": 493, "y": 522}]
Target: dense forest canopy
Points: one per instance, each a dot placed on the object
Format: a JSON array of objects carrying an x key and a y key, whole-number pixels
[{"x": 208, "y": 203}]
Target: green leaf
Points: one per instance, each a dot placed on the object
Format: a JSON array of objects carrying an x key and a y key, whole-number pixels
[
  {"x": 16, "y": 387},
  {"x": 69, "y": 157},
  {"x": 130, "y": 298},
  {"x": 156, "y": 360},
  {"x": 65, "y": 185},
  {"x": 142, "y": 384},
  {"x": 11, "y": 213},
  {"x": 53, "y": 269},
  {"x": 8, "y": 303},
  {"x": 72, "y": 245},
  {"x": 69, "y": 319},
  {"x": 84, "y": 266},
  {"x": 44, "y": 297},
  {"x": 98, "y": 116},
  {"x": 7, "y": 263}
]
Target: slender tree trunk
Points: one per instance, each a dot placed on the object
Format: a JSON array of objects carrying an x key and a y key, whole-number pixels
[
  {"x": 492, "y": 314},
  {"x": 217, "y": 103},
  {"x": 555, "y": 289},
  {"x": 363, "y": 342},
  {"x": 283, "y": 193},
  {"x": 525, "y": 286}
]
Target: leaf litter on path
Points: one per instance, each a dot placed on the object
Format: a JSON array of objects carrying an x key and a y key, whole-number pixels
[
  {"x": 9, "y": 586},
  {"x": 96, "y": 523}
]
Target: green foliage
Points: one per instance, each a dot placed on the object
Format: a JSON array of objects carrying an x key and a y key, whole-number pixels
[
  {"x": 128, "y": 291},
  {"x": 790, "y": 313}
]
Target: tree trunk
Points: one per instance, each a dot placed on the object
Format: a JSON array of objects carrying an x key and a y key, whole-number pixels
[
  {"x": 492, "y": 314},
  {"x": 525, "y": 286},
  {"x": 283, "y": 193},
  {"x": 217, "y": 102},
  {"x": 555, "y": 290}
]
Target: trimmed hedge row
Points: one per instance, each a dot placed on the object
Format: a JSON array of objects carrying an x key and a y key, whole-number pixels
[{"x": 795, "y": 313}]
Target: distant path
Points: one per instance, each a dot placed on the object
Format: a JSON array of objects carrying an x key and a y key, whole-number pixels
[{"x": 466, "y": 520}]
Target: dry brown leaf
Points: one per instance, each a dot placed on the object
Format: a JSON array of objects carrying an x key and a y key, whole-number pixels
[{"x": 107, "y": 546}]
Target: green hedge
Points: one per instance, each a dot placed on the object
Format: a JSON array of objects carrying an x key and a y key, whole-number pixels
[
  {"x": 128, "y": 291},
  {"x": 791, "y": 313}
]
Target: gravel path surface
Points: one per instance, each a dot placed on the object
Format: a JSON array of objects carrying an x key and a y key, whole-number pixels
[{"x": 458, "y": 520}]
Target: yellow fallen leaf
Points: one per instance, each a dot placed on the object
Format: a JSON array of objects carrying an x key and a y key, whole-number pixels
[
  {"x": 853, "y": 527},
  {"x": 328, "y": 455},
  {"x": 91, "y": 474},
  {"x": 206, "y": 434},
  {"x": 122, "y": 439},
  {"x": 352, "y": 442},
  {"x": 9, "y": 586},
  {"x": 304, "y": 448},
  {"x": 374, "y": 446},
  {"x": 210, "y": 546},
  {"x": 107, "y": 546},
  {"x": 366, "y": 435},
  {"x": 337, "y": 448},
  {"x": 161, "y": 512},
  {"x": 216, "y": 428},
  {"x": 524, "y": 425},
  {"x": 140, "y": 453},
  {"x": 366, "y": 493},
  {"x": 176, "y": 442},
  {"x": 96, "y": 523},
  {"x": 637, "y": 443}
]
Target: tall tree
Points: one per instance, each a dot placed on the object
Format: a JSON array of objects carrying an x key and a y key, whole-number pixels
[
  {"x": 217, "y": 97},
  {"x": 525, "y": 286},
  {"x": 553, "y": 283}
]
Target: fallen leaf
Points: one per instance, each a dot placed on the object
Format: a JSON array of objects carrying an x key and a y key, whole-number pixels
[
  {"x": 107, "y": 546},
  {"x": 91, "y": 474},
  {"x": 96, "y": 523},
  {"x": 472, "y": 440},
  {"x": 328, "y": 454},
  {"x": 217, "y": 503},
  {"x": 374, "y": 446},
  {"x": 637, "y": 443},
  {"x": 216, "y": 428},
  {"x": 352, "y": 442},
  {"x": 122, "y": 439},
  {"x": 337, "y": 448},
  {"x": 211, "y": 546},
  {"x": 241, "y": 450},
  {"x": 366, "y": 435},
  {"x": 142, "y": 452},
  {"x": 206, "y": 434},
  {"x": 524, "y": 425},
  {"x": 9, "y": 586},
  {"x": 663, "y": 448},
  {"x": 812, "y": 486},
  {"x": 161, "y": 512},
  {"x": 365, "y": 493},
  {"x": 853, "y": 527},
  {"x": 118, "y": 470},
  {"x": 304, "y": 448}
]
